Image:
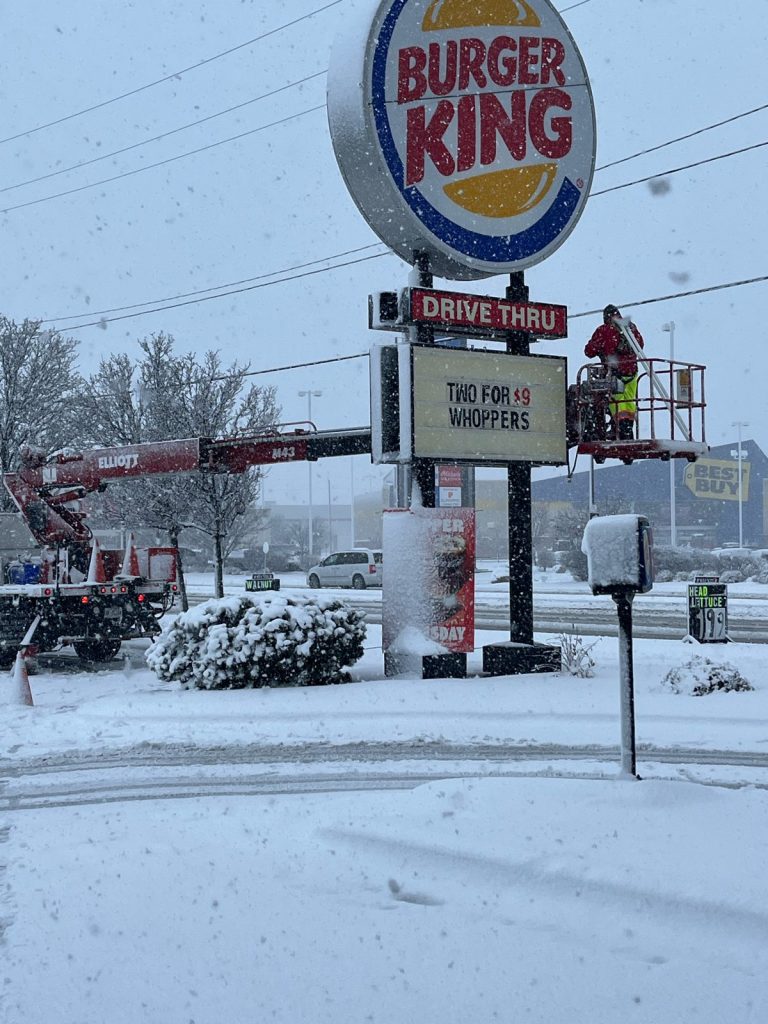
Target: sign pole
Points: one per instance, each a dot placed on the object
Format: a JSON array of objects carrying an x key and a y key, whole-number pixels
[
  {"x": 519, "y": 504},
  {"x": 623, "y": 602},
  {"x": 433, "y": 666},
  {"x": 521, "y": 654}
]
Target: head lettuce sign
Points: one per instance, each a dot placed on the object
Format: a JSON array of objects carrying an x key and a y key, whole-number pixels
[{"x": 464, "y": 129}]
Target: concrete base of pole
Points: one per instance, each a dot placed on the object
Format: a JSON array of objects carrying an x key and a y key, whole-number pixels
[
  {"x": 514, "y": 659},
  {"x": 430, "y": 666},
  {"x": 444, "y": 666}
]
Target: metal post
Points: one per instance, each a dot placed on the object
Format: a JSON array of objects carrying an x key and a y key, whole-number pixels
[
  {"x": 330, "y": 519},
  {"x": 520, "y": 654},
  {"x": 351, "y": 501},
  {"x": 519, "y": 505},
  {"x": 670, "y": 327},
  {"x": 740, "y": 424},
  {"x": 623, "y": 603},
  {"x": 311, "y": 543},
  {"x": 592, "y": 501}
]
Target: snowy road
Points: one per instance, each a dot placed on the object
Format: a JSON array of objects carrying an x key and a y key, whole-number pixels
[
  {"x": 660, "y": 615},
  {"x": 175, "y": 772}
]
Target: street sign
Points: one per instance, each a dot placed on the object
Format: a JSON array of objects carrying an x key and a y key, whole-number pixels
[{"x": 708, "y": 612}]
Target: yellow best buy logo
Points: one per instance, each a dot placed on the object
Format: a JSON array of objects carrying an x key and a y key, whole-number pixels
[{"x": 717, "y": 479}]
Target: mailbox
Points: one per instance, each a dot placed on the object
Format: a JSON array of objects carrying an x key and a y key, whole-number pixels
[{"x": 619, "y": 552}]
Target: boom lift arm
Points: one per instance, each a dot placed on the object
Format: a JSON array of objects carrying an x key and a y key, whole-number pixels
[{"x": 44, "y": 490}]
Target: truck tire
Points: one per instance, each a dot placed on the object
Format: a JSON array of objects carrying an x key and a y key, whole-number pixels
[{"x": 97, "y": 650}]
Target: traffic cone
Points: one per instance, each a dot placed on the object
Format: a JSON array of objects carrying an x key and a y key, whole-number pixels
[
  {"x": 130, "y": 558},
  {"x": 22, "y": 691},
  {"x": 96, "y": 571}
]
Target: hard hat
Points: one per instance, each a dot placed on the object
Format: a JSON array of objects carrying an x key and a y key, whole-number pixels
[{"x": 611, "y": 310}]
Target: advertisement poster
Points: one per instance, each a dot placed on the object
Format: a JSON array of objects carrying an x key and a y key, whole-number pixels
[{"x": 428, "y": 604}]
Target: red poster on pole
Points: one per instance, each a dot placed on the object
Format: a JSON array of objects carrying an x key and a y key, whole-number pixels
[{"x": 452, "y": 583}]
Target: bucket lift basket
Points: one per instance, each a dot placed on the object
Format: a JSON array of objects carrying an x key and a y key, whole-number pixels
[{"x": 670, "y": 421}]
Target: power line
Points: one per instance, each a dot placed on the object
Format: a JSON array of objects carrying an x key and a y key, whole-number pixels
[
  {"x": 365, "y": 355},
  {"x": 174, "y": 74},
  {"x": 677, "y": 295},
  {"x": 677, "y": 170},
  {"x": 204, "y": 120},
  {"x": 164, "y": 135},
  {"x": 234, "y": 291},
  {"x": 214, "y": 288},
  {"x": 311, "y": 110},
  {"x": 572, "y": 316},
  {"x": 162, "y": 163},
  {"x": 186, "y": 295},
  {"x": 682, "y": 138}
]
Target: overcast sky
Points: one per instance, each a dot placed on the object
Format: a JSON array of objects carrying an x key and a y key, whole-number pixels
[{"x": 274, "y": 199}]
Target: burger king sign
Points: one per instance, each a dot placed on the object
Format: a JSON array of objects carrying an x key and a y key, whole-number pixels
[{"x": 464, "y": 129}]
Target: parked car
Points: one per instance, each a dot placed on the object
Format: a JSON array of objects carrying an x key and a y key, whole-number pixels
[{"x": 357, "y": 567}]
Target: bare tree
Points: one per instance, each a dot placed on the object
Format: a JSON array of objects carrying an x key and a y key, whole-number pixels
[
  {"x": 165, "y": 396},
  {"x": 38, "y": 385}
]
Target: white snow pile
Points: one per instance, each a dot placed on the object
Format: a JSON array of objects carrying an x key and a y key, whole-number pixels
[
  {"x": 611, "y": 546},
  {"x": 250, "y": 641},
  {"x": 701, "y": 676}
]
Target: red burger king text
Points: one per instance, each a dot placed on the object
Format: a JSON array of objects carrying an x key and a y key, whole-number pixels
[{"x": 449, "y": 68}]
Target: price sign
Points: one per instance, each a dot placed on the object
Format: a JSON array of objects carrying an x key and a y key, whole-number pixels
[{"x": 708, "y": 612}]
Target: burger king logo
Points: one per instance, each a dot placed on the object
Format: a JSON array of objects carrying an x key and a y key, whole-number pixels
[{"x": 468, "y": 131}]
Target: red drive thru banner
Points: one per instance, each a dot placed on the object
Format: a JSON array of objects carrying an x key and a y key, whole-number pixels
[
  {"x": 484, "y": 314},
  {"x": 428, "y": 604}
]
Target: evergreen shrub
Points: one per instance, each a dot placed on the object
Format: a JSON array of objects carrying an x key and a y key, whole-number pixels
[{"x": 253, "y": 641}]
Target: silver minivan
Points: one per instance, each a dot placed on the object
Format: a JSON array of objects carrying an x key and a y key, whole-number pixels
[{"x": 356, "y": 567}]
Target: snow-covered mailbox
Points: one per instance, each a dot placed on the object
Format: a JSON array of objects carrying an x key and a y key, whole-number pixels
[{"x": 619, "y": 552}]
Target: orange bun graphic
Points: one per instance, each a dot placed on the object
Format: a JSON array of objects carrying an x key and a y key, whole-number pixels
[
  {"x": 503, "y": 193},
  {"x": 466, "y": 13}
]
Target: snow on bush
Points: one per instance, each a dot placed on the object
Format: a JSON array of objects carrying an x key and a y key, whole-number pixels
[
  {"x": 250, "y": 641},
  {"x": 701, "y": 675}
]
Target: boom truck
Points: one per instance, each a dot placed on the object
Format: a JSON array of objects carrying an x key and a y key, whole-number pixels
[{"x": 91, "y": 599}]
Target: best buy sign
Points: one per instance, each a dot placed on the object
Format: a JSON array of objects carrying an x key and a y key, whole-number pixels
[{"x": 717, "y": 479}]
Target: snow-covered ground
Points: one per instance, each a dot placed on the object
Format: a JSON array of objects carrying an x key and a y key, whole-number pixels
[{"x": 172, "y": 857}]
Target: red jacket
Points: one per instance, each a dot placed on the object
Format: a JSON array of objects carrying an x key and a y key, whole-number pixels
[{"x": 609, "y": 345}]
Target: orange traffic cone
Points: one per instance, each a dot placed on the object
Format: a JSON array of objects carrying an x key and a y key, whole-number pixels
[
  {"x": 96, "y": 571},
  {"x": 130, "y": 558},
  {"x": 23, "y": 692}
]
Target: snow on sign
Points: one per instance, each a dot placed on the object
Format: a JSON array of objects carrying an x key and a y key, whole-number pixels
[{"x": 464, "y": 129}]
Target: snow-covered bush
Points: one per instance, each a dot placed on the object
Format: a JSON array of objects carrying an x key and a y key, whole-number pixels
[
  {"x": 575, "y": 657},
  {"x": 265, "y": 640},
  {"x": 701, "y": 675},
  {"x": 665, "y": 576},
  {"x": 732, "y": 576}
]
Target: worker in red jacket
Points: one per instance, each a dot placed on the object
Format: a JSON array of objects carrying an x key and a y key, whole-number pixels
[{"x": 613, "y": 350}]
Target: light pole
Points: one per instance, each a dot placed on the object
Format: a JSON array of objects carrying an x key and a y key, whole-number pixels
[
  {"x": 351, "y": 501},
  {"x": 740, "y": 424},
  {"x": 670, "y": 328},
  {"x": 309, "y": 395}
]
